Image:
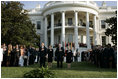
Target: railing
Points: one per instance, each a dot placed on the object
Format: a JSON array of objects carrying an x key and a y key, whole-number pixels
[
  {"x": 60, "y": 24},
  {"x": 69, "y": 24}
]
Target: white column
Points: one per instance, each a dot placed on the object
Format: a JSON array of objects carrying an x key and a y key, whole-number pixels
[
  {"x": 87, "y": 31},
  {"x": 45, "y": 40},
  {"x": 98, "y": 29},
  {"x": 94, "y": 29},
  {"x": 76, "y": 30},
  {"x": 52, "y": 29},
  {"x": 63, "y": 29}
]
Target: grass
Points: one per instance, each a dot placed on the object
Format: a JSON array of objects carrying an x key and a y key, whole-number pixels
[{"x": 78, "y": 70}]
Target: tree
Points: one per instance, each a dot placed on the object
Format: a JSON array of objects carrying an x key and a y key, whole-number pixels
[
  {"x": 16, "y": 27},
  {"x": 112, "y": 28}
]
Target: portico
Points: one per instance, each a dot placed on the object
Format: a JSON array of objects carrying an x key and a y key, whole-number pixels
[{"x": 64, "y": 25}]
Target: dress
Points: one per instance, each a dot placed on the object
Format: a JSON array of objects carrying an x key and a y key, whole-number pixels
[
  {"x": 5, "y": 51},
  {"x": 17, "y": 54},
  {"x": 21, "y": 59},
  {"x": 12, "y": 60},
  {"x": 1, "y": 55},
  {"x": 8, "y": 56},
  {"x": 69, "y": 56},
  {"x": 50, "y": 55}
]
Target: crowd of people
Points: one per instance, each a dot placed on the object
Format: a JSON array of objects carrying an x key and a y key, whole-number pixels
[
  {"x": 24, "y": 56},
  {"x": 20, "y": 55},
  {"x": 101, "y": 56}
]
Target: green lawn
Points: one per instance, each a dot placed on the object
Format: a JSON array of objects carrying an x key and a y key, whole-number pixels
[{"x": 78, "y": 70}]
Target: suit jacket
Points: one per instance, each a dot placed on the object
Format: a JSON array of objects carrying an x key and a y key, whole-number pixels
[
  {"x": 59, "y": 54},
  {"x": 42, "y": 53}
]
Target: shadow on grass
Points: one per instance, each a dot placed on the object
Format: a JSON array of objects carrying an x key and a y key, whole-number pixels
[{"x": 78, "y": 66}]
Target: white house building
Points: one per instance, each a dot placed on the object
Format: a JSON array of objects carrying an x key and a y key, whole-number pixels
[{"x": 78, "y": 22}]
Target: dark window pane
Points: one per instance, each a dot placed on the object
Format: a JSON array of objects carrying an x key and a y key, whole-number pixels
[
  {"x": 103, "y": 40},
  {"x": 70, "y": 21},
  {"x": 103, "y": 24},
  {"x": 91, "y": 39},
  {"x": 59, "y": 39},
  {"x": 38, "y": 24}
]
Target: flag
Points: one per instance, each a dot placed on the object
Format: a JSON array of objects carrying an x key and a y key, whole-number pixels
[
  {"x": 71, "y": 45},
  {"x": 65, "y": 46}
]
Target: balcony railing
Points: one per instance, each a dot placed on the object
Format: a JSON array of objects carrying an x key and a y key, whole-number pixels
[
  {"x": 58, "y": 24},
  {"x": 67, "y": 24}
]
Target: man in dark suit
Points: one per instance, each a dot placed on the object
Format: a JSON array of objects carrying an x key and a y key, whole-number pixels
[
  {"x": 42, "y": 54},
  {"x": 12, "y": 56},
  {"x": 59, "y": 55},
  {"x": 31, "y": 56}
]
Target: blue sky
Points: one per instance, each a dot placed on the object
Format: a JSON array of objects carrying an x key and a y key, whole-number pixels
[{"x": 33, "y": 4}]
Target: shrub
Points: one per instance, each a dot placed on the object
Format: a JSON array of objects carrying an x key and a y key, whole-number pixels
[{"x": 39, "y": 73}]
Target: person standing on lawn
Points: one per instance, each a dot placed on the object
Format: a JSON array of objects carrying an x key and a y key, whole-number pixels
[
  {"x": 59, "y": 53},
  {"x": 4, "y": 55},
  {"x": 31, "y": 55},
  {"x": 21, "y": 59},
  {"x": 69, "y": 57},
  {"x": 9, "y": 54},
  {"x": 1, "y": 54},
  {"x": 12, "y": 60},
  {"x": 43, "y": 53},
  {"x": 75, "y": 55},
  {"x": 50, "y": 56},
  {"x": 17, "y": 54}
]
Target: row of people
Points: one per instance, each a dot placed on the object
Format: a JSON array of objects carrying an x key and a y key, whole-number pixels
[
  {"x": 59, "y": 55},
  {"x": 101, "y": 56},
  {"x": 22, "y": 55}
]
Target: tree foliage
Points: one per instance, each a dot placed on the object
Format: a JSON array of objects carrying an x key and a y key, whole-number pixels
[
  {"x": 16, "y": 27},
  {"x": 112, "y": 28}
]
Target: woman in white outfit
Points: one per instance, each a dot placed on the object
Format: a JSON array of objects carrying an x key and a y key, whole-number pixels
[
  {"x": 21, "y": 59},
  {"x": 1, "y": 55}
]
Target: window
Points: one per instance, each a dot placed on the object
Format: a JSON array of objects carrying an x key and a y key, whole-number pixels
[
  {"x": 70, "y": 38},
  {"x": 48, "y": 40},
  {"x": 49, "y": 24},
  {"x": 59, "y": 39},
  {"x": 38, "y": 24},
  {"x": 103, "y": 24},
  {"x": 81, "y": 38},
  {"x": 70, "y": 21},
  {"x": 81, "y": 22},
  {"x": 91, "y": 24},
  {"x": 91, "y": 40},
  {"x": 59, "y": 22},
  {"x": 103, "y": 40}
]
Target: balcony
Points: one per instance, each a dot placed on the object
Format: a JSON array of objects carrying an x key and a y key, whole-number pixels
[{"x": 70, "y": 25}]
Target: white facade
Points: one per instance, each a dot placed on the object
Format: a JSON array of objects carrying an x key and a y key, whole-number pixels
[{"x": 72, "y": 21}]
